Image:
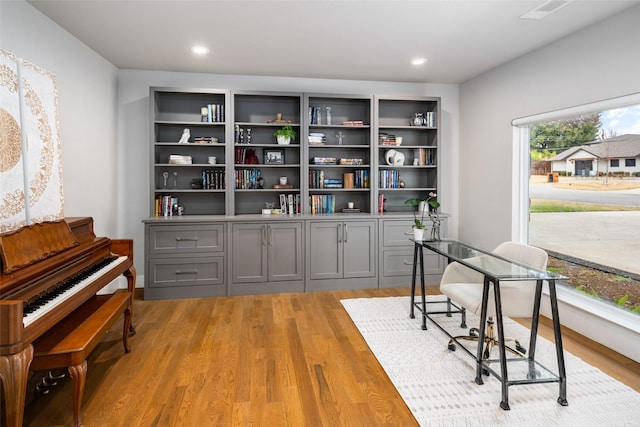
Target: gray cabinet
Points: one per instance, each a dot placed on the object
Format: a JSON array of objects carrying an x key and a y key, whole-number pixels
[
  {"x": 396, "y": 254},
  {"x": 230, "y": 169},
  {"x": 341, "y": 254},
  {"x": 184, "y": 260},
  {"x": 267, "y": 257}
]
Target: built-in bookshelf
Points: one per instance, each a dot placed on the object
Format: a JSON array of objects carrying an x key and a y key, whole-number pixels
[
  {"x": 351, "y": 153},
  {"x": 338, "y": 132},
  {"x": 407, "y": 149},
  {"x": 188, "y": 174},
  {"x": 260, "y": 162}
]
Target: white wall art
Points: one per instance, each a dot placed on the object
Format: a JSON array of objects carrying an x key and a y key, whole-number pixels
[{"x": 30, "y": 153}]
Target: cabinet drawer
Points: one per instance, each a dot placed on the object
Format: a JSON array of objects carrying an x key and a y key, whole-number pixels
[
  {"x": 400, "y": 263},
  {"x": 174, "y": 239},
  {"x": 397, "y": 232},
  {"x": 172, "y": 272}
]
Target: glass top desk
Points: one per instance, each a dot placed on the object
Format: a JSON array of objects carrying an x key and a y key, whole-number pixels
[{"x": 522, "y": 370}]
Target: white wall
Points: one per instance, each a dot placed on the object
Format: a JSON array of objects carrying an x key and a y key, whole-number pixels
[
  {"x": 86, "y": 85},
  {"x": 598, "y": 63},
  {"x": 134, "y": 140}
]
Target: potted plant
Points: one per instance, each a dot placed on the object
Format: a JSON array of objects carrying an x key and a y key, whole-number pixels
[
  {"x": 429, "y": 205},
  {"x": 285, "y": 135}
]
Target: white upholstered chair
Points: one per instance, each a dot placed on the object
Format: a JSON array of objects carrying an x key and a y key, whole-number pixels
[{"x": 464, "y": 287}]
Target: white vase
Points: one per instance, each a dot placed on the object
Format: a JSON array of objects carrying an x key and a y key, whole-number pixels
[
  {"x": 283, "y": 140},
  {"x": 418, "y": 234}
]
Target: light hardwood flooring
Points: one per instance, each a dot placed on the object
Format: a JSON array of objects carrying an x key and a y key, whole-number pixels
[{"x": 263, "y": 360}]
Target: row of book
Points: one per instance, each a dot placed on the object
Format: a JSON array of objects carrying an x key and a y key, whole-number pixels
[
  {"x": 213, "y": 179},
  {"x": 425, "y": 156},
  {"x": 359, "y": 178},
  {"x": 215, "y": 113},
  {"x": 389, "y": 178},
  {"x": 322, "y": 203},
  {"x": 246, "y": 156},
  {"x": 248, "y": 179},
  {"x": 166, "y": 206}
]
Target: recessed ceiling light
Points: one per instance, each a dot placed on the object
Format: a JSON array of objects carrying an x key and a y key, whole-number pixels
[
  {"x": 200, "y": 50},
  {"x": 418, "y": 61}
]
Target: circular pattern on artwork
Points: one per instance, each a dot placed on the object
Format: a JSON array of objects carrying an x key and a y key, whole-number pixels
[{"x": 10, "y": 141}]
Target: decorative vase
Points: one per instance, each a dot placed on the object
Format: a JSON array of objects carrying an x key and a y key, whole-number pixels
[{"x": 418, "y": 233}]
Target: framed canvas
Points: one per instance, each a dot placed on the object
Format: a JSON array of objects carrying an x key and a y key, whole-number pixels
[{"x": 273, "y": 157}]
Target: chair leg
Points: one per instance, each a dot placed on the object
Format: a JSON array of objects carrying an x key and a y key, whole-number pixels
[{"x": 490, "y": 341}]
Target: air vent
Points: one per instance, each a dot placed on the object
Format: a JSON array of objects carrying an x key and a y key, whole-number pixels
[{"x": 545, "y": 9}]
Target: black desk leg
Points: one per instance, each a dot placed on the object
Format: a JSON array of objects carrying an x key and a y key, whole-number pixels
[
  {"x": 535, "y": 317},
  {"x": 504, "y": 404},
  {"x": 562, "y": 399},
  {"x": 413, "y": 281},
  {"x": 481, "y": 331},
  {"x": 424, "y": 298}
]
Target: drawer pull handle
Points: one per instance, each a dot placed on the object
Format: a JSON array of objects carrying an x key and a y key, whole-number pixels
[
  {"x": 187, "y": 272},
  {"x": 190, "y": 239},
  {"x": 407, "y": 262}
]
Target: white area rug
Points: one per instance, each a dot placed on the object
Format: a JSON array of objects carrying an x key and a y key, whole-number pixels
[{"x": 438, "y": 385}]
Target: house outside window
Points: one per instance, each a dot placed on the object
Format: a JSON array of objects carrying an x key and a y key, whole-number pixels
[
  {"x": 615, "y": 163},
  {"x": 630, "y": 163}
]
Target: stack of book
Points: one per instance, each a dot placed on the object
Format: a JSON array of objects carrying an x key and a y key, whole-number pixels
[
  {"x": 386, "y": 139},
  {"x": 332, "y": 183},
  {"x": 317, "y": 139},
  {"x": 323, "y": 161},
  {"x": 176, "y": 159},
  {"x": 350, "y": 161},
  {"x": 353, "y": 123}
]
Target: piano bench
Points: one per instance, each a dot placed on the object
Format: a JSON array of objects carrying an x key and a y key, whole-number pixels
[{"x": 70, "y": 342}]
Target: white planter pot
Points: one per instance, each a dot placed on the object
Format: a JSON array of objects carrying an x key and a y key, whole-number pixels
[
  {"x": 283, "y": 140},
  {"x": 418, "y": 234}
]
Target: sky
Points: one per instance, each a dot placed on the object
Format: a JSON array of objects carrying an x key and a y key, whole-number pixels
[{"x": 621, "y": 120}]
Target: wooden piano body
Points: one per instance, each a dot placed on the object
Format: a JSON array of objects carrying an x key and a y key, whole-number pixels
[{"x": 36, "y": 260}]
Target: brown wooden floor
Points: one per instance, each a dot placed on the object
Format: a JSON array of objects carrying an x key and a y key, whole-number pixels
[{"x": 264, "y": 360}]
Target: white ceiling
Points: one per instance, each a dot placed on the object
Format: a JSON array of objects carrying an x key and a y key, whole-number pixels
[{"x": 349, "y": 39}]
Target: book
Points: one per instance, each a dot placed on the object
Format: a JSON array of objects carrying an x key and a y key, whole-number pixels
[{"x": 282, "y": 186}]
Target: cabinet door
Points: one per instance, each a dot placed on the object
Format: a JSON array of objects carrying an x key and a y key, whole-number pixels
[
  {"x": 359, "y": 240},
  {"x": 285, "y": 251},
  {"x": 249, "y": 253},
  {"x": 325, "y": 250}
]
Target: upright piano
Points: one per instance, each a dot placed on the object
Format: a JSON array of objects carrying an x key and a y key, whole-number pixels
[{"x": 49, "y": 270}]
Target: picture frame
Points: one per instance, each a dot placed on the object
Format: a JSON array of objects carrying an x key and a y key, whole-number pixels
[{"x": 273, "y": 157}]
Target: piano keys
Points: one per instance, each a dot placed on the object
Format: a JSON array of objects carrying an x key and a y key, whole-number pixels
[{"x": 48, "y": 271}]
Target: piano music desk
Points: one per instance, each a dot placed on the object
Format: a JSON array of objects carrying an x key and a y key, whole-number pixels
[{"x": 69, "y": 344}]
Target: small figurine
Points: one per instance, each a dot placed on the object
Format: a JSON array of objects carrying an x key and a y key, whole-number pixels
[{"x": 184, "y": 139}]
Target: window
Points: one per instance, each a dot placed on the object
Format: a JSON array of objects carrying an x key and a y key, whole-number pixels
[{"x": 536, "y": 210}]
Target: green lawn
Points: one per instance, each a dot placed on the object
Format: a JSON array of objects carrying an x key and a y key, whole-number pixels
[{"x": 541, "y": 205}]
